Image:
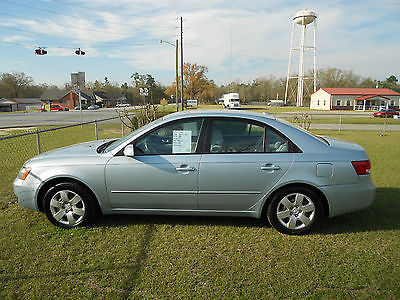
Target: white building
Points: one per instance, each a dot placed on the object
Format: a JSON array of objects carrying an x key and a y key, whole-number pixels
[{"x": 354, "y": 99}]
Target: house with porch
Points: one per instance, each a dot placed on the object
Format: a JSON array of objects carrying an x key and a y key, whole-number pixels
[
  {"x": 354, "y": 99},
  {"x": 64, "y": 98},
  {"x": 108, "y": 100},
  {"x": 19, "y": 104}
]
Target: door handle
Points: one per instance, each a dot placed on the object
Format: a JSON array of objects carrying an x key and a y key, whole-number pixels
[
  {"x": 270, "y": 167},
  {"x": 185, "y": 169}
]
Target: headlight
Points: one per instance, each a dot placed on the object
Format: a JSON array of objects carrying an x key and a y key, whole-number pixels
[{"x": 24, "y": 173}]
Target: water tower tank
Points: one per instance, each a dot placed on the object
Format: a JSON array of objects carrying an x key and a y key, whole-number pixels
[{"x": 304, "y": 17}]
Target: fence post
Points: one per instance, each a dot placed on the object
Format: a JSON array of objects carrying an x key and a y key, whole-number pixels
[
  {"x": 340, "y": 122},
  {"x": 96, "y": 129},
  {"x": 38, "y": 141},
  {"x": 123, "y": 133}
]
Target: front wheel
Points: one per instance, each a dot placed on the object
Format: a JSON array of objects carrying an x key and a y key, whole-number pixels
[
  {"x": 294, "y": 210},
  {"x": 68, "y": 205}
]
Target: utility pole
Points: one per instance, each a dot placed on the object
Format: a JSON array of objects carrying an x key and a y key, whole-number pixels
[
  {"x": 176, "y": 71},
  {"x": 182, "y": 62},
  {"x": 176, "y": 76}
]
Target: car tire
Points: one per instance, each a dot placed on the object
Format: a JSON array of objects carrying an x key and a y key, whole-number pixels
[
  {"x": 68, "y": 205},
  {"x": 294, "y": 210}
]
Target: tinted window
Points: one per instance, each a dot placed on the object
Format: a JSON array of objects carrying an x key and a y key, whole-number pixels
[
  {"x": 173, "y": 138},
  {"x": 236, "y": 136},
  {"x": 276, "y": 142}
]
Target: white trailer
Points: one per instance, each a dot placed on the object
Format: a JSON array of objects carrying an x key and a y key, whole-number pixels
[{"x": 231, "y": 100}]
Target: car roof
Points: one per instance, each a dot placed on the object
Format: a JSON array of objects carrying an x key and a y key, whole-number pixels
[{"x": 218, "y": 113}]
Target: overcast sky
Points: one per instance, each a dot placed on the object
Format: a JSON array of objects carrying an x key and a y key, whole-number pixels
[{"x": 236, "y": 40}]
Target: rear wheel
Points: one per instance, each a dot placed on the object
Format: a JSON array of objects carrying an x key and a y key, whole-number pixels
[
  {"x": 294, "y": 210},
  {"x": 69, "y": 205}
]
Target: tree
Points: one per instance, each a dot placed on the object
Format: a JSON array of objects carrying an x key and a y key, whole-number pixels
[
  {"x": 196, "y": 85},
  {"x": 390, "y": 83},
  {"x": 333, "y": 77},
  {"x": 14, "y": 84}
]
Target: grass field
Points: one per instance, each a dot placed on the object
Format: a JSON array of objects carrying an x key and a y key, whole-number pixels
[{"x": 128, "y": 257}]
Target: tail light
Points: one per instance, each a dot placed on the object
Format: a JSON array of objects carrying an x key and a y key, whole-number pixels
[{"x": 362, "y": 167}]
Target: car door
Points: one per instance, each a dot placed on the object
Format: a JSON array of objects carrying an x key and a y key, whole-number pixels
[
  {"x": 244, "y": 160},
  {"x": 162, "y": 174}
]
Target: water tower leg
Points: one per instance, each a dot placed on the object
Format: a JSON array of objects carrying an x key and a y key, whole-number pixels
[
  {"x": 301, "y": 68},
  {"x": 290, "y": 60}
]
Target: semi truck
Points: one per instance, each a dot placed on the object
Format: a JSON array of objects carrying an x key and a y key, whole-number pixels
[{"x": 230, "y": 100}]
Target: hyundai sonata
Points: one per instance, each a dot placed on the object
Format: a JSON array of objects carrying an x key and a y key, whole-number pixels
[{"x": 209, "y": 163}]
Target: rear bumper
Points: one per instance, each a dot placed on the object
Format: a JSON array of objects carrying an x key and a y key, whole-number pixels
[{"x": 348, "y": 198}]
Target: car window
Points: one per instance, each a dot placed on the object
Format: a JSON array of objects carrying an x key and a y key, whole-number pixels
[
  {"x": 236, "y": 136},
  {"x": 275, "y": 142},
  {"x": 174, "y": 138}
]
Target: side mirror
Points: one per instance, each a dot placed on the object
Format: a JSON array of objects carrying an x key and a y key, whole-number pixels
[{"x": 129, "y": 151}]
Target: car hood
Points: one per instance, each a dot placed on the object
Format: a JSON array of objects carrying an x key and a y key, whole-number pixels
[{"x": 69, "y": 154}]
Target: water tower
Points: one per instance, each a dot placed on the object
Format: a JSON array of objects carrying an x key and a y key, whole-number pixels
[{"x": 302, "y": 18}]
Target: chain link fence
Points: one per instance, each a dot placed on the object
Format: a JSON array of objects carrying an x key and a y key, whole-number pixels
[{"x": 18, "y": 145}]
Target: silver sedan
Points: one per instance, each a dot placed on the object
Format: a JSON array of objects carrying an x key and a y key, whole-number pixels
[{"x": 213, "y": 163}]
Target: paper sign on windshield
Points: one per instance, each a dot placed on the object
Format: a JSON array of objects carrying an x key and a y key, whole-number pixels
[{"x": 182, "y": 141}]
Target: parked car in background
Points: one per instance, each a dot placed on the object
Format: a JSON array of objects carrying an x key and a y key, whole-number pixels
[
  {"x": 206, "y": 162},
  {"x": 93, "y": 106},
  {"x": 122, "y": 105},
  {"x": 84, "y": 106},
  {"x": 53, "y": 107},
  {"x": 389, "y": 113}
]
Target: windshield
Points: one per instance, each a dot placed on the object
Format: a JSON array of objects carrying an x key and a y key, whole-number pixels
[{"x": 116, "y": 143}]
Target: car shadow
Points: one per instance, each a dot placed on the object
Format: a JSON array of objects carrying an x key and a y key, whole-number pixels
[
  {"x": 384, "y": 214},
  {"x": 127, "y": 220}
]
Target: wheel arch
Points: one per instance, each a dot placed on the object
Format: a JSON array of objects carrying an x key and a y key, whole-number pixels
[
  {"x": 317, "y": 191},
  {"x": 46, "y": 186}
]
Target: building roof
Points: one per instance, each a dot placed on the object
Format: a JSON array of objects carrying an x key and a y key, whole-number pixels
[
  {"x": 360, "y": 91},
  {"x": 53, "y": 94},
  {"x": 365, "y": 97},
  {"x": 4, "y": 101},
  {"x": 26, "y": 100}
]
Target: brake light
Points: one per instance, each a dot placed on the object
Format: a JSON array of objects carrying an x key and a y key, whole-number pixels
[{"x": 362, "y": 167}]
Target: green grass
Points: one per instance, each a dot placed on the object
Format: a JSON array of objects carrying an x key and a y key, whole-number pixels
[
  {"x": 128, "y": 257},
  {"x": 356, "y": 120}
]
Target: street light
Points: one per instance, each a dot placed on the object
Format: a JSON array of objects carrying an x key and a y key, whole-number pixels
[{"x": 176, "y": 70}]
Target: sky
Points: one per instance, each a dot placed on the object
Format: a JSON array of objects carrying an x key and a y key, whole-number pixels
[{"x": 236, "y": 40}]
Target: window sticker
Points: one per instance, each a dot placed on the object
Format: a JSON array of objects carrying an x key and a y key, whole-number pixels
[{"x": 182, "y": 141}]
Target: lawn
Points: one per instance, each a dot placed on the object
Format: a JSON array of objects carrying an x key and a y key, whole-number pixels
[
  {"x": 355, "y": 120},
  {"x": 355, "y": 255}
]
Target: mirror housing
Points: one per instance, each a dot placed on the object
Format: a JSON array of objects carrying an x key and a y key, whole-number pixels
[{"x": 129, "y": 151}]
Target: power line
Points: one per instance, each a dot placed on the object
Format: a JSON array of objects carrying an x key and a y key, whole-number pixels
[
  {"x": 62, "y": 37},
  {"x": 69, "y": 16},
  {"x": 77, "y": 46},
  {"x": 60, "y": 25}
]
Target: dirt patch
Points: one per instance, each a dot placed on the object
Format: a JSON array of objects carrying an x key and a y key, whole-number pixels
[{"x": 7, "y": 131}]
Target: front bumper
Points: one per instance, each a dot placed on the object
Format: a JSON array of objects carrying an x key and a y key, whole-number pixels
[{"x": 26, "y": 191}]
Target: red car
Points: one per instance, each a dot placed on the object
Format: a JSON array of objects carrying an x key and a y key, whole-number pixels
[
  {"x": 389, "y": 113},
  {"x": 53, "y": 107}
]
